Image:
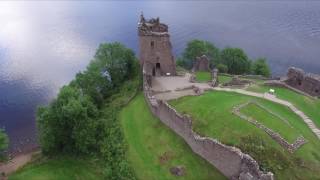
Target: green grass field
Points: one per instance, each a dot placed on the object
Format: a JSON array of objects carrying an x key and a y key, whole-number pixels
[
  {"x": 311, "y": 107},
  {"x": 153, "y": 148},
  {"x": 224, "y": 79},
  {"x": 212, "y": 117},
  {"x": 271, "y": 121},
  {"x": 58, "y": 168},
  {"x": 203, "y": 76}
]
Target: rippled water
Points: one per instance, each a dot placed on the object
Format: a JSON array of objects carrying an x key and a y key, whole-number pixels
[{"x": 43, "y": 44}]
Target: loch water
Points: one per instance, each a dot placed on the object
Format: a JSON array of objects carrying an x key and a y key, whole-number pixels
[{"x": 44, "y": 44}]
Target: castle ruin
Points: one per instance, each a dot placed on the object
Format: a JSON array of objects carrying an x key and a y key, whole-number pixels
[
  {"x": 155, "y": 48},
  {"x": 306, "y": 82},
  {"x": 157, "y": 64},
  {"x": 201, "y": 63}
]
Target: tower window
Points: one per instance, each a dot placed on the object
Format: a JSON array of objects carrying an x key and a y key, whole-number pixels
[{"x": 152, "y": 44}]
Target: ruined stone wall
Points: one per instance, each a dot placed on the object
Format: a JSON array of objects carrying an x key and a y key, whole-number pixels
[
  {"x": 229, "y": 160},
  {"x": 308, "y": 83},
  {"x": 201, "y": 64},
  {"x": 277, "y": 83}
]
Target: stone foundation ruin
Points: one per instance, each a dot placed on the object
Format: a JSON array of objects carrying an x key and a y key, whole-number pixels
[
  {"x": 274, "y": 135},
  {"x": 156, "y": 60},
  {"x": 229, "y": 160},
  {"x": 306, "y": 82}
]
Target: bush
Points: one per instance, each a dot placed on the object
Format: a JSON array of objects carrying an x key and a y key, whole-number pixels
[{"x": 3, "y": 144}]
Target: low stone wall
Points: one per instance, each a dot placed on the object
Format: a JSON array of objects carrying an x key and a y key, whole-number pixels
[
  {"x": 229, "y": 160},
  {"x": 274, "y": 135}
]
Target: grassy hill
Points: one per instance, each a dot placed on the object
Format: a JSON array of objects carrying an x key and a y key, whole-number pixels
[
  {"x": 212, "y": 116},
  {"x": 61, "y": 167},
  {"x": 153, "y": 148}
]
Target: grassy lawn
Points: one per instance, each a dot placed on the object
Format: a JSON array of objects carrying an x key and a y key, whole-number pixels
[
  {"x": 224, "y": 79},
  {"x": 203, "y": 76},
  {"x": 311, "y": 107},
  {"x": 58, "y": 168},
  {"x": 212, "y": 117},
  {"x": 271, "y": 121},
  {"x": 153, "y": 148}
]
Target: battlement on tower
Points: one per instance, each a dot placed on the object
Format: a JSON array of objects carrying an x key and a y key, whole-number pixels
[
  {"x": 155, "y": 48},
  {"x": 152, "y": 27}
]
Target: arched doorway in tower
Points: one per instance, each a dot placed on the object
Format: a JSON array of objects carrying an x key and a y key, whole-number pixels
[{"x": 158, "y": 69}]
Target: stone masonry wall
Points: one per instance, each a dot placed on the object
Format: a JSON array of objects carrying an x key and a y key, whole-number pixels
[
  {"x": 201, "y": 63},
  {"x": 306, "y": 82},
  {"x": 229, "y": 160},
  {"x": 155, "y": 47}
]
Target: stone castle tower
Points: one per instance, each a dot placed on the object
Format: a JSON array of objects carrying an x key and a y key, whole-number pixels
[{"x": 155, "y": 47}]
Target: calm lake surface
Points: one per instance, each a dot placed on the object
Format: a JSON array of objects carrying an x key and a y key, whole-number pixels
[{"x": 44, "y": 44}]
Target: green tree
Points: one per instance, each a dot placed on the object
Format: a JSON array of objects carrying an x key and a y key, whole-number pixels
[
  {"x": 69, "y": 124},
  {"x": 118, "y": 60},
  {"x": 197, "y": 48},
  {"x": 113, "y": 63},
  {"x": 260, "y": 67},
  {"x": 236, "y": 60},
  {"x": 83, "y": 118},
  {"x": 222, "y": 68},
  {"x": 3, "y": 144}
]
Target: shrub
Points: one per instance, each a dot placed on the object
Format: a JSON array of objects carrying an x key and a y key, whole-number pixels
[{"x": 3, "y": 144}]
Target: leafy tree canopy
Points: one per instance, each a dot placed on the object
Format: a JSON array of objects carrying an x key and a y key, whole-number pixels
[
  {"x": 260, "y": 67},
  {"x": 197, "y": 48},
  {"x": 83, "y": 118},
  {"x": 69, "y": 123},
  {"x": 236, "y": 60},
  {"x": 117, "y": 60}
]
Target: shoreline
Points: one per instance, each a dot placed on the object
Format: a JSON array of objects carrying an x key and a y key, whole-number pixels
[{"x": 16, "y": 162}]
